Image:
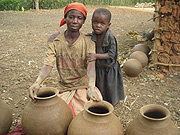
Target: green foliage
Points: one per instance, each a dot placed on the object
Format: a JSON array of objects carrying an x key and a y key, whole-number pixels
[
  {"x": 54, "y": 4},
  {"x": 27, "y": 4},
  {"x": 16, "y": 4},
  {"x": 9, "y": 5}
]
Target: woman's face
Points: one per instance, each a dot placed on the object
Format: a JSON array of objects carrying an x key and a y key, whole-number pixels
[
  {"x": 100, "y": 23},
  {"x": 74, "y": 20}
]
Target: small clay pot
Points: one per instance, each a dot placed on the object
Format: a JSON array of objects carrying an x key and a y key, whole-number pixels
[
  {"x": 150, "y": 34},
  {"x": 5, "y": 118},
  {"x": 140, "y": 56},
  {"x": 132, "y": 67},
  {"x": 47, "y": 115},
  {"x": 97, "y": 118},
  {"x": 143, "y": 48},
  {"x": 153, "y": 119}
]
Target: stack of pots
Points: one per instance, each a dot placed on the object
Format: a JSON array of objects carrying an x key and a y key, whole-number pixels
[
  {"x": 137, "y": 60},
  {"x": 5, "y": 118}
]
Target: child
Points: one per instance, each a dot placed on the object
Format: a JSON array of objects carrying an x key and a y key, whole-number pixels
[
  {"x": 108, "y": 73},
  {"x": 69, "y": 50}
]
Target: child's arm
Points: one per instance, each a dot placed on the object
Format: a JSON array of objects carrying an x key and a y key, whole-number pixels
[
  {"x": 102, "y": 56},
  {"x": 94, "y": 56}
]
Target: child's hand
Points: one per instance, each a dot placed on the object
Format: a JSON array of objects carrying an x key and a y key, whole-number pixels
[
  {"x": 88, "y": 34},
  {"x": 91, "y": 57}
]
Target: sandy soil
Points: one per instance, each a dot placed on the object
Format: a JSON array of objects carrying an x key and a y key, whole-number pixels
[{"x": 23, "y": 37}]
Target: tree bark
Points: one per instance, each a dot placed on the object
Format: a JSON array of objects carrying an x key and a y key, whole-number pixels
[{"x": 37, "y": 5}]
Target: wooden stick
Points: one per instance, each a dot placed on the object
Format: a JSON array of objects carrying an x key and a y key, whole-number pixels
[
  {"x": 155, "y": 17},
  {"x": 163, "y": 64}
]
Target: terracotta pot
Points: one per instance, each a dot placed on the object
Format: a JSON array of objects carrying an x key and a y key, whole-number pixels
[
  {"x": 152, "y": 120},
  {"x": 150, "y": 34},
  {"x": 48, "y": 115},
  {"x": 143, "y": 48},
  {"x": 96, "y": 119},
  {"x": 132, "y": 67},
  {"x": 5, "y": 118},
  {"x": 140, "y": 56}
]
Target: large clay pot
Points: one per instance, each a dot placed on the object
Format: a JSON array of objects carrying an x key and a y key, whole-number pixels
[
  {"x": 140, "y": 56},
  {"x": 96, "y": 119},
  {"x": 132, "y": 67},
  {"x": 47, "y": 115},
  {"x": 153, "y": 120},
  {"x": 5, "y": 118},
  {"x": 143, "y": 48}
]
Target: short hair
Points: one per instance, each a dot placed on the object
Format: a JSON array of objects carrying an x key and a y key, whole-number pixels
[{"x": 103, "y": 11}]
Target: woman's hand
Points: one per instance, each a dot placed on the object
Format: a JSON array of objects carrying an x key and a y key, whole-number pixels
[
  {"x": 92, "y": 94},
  {"x": 33, "y": 90}
]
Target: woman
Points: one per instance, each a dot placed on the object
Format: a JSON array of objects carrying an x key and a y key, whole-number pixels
[{"x": 70, "y": 50}]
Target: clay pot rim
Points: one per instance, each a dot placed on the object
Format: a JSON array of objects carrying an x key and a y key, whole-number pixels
[
  {"x": 101, "y": 103},
  {"x": 145, "y": 109},
  {"x": 47, "y": 89}
]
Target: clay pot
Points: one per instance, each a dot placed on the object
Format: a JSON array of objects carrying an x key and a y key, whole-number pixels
[
  {"x": 143, "y": 48},
  {"x": 140, "y": 56},
  {"x": 150, "y": 34},
  {"x": 5, "y": 118},
  {"x": 47, "y": 115},
  {"x": 152, "y": 120},
  {"x": 132, "y": 67},
  {"x": 96, "y": 119}
]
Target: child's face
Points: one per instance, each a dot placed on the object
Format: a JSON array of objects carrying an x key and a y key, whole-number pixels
[
  {"x": 74, "y": 20},
  {"x": 100, "y": 23}
]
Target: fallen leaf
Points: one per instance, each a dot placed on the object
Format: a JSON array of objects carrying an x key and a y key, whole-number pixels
[{"x": 161, "y": 76}]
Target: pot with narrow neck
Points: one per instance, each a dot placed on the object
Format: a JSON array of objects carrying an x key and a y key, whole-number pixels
[
  {"x": 153, "y": 119},
  {"x": 47, "y": 115},
  {"x": 97, "y": 118}
]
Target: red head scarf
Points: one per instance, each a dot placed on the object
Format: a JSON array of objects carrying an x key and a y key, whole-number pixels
[{"x": 74, "y": 6}]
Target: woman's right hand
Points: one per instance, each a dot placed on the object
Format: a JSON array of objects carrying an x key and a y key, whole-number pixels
[
  {"x": 33, "y": 90},
  {"x": 92, "y": 94},
  {"x": 91, "y": 57}
]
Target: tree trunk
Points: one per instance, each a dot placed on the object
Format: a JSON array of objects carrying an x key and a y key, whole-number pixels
[{"x": 37, "y": 5}]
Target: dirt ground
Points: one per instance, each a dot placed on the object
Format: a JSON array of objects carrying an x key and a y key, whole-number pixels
[{"x": 23, "y": 37}]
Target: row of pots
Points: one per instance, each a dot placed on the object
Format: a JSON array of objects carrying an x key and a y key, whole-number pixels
[
  {"x": 139, "y": 57},
  {"x": 137, "y": 60},
  {"x": 50, "y": 115}
]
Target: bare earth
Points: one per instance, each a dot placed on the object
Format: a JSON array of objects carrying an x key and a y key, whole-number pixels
[{"x": 23, "y": 37}]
